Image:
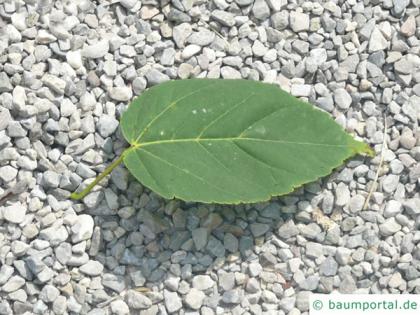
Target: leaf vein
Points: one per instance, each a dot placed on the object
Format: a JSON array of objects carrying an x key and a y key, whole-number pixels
[
  {"x": 262, "y": 118},
  {"x": 169, "y": 106},
  {"x": 262, "y": 161},
  {"x": 148, "y": 172},
  {"x": 189, "y": 173},
  {"x": 215, "y": 158},
  {"x": 225, "y": 113},
  {"x": 257, "y": 159}
]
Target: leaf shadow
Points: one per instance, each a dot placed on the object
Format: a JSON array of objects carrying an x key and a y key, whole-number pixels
[{"x": 159, "y": 245}]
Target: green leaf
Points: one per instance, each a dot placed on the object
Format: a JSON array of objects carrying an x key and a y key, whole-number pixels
[{"x": 229, "y": 141}]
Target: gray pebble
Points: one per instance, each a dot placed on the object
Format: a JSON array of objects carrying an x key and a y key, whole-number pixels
[
  {"x": 300, "y": 90},
  {"x": 173, "y": 302},
  {"x": 200, "y": 237},
  {"x": 63, "y": 253},
  {"x": 129, "y": 4},
  {"x": 74, "y": 59},
  {"x": 92, "y": 268},
  {"x": 13, "y": 284},
  {"x": 190, "y": 51},
  {"x": 50, "y": 179},
  {"x": 377, "y": 41},
  {"x": 49, "y": 293},
  {"x": 261, "y": 10},
  {"x": 356, "y": 203},
  {"x": 194, "y": 299},
  {"x": 202, "y": 38},
  {"x": 328, "y": 267},
  {"x": 96, "y": 50},
  {"x": 139, "y": 85},
  {"x": 202, "y": 282},
  {"x": 82, "y": 229},
  {"x": 347, "y": 285},
  {"x": 5, "y": 273},
  {"x": 15, "y": 130},
  {"x": 223, "y": 17},
  {"x": 412, "y": 206},
  {"x": 172, "y": 283},
  {"x": 302, "y": 300},
  {"x": 5, "y": 85},
  {"x": 113, "y": 282},
  {"x": 392, "y": 208},
  {"x": 399, "y": 7},
  {"x": 168, "y": 57},
  {"x": 185, "y": 70},
  {"x": 299, "y": 21},
  {"x": 343, "y": 255},
  {"x": 342, "y": 98},
  {"x": 408, "y": 28},
  {"x": 137, "y": 300},
  {"x": 228, "y": 72},
  {"x": 15, "y": 213},
  {"x": 243, "y": 2},
  {"x": 181, "y": 33},
  {"x": 310, "y": 283},
  {"x": 325, "y": 103},
  {"x": 252, "y": 285},
  {"x": 342, "y": 194},
  {"x": 288, "y": 230},
  {"x": 280, "y": 20},
  {"x": 311, "y": 231},
  {"x": 259, "y": 229},
  {"x": 407, "y": 139},
  {"x": 110, "y": 68},
  {"x": 5, "y": 118},
  {"x": 230, "y": 242},
  {"x": 231, "y": 297},
  {"x": 8, "y": 173},
  {"x": 389, "y": 227},
  {"x": 405, "y": 65},
  {"x": 59, "y": 305},
  {"x": 390, "y": 182},
  {"x": 119, "y": 307},
  {"x": 396, "y": 280},
  {"x": 107, "y": 125},
  {"x": 226, "y": 280},
  {"x": 314, "y": 250},
  {"x": 215, "y": 247},
  {"x": 121, "y": 94},
  {"x": 54, "y": 83},
  {"x": 155, "y": 77},
  {"x": 254, "y": 269}
]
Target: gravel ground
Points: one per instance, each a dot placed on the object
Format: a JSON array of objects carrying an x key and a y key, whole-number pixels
[{"x": 67, "y": 71}]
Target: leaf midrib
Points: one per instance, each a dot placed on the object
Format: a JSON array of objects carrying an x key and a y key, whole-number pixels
[{"x": 193, "y": 140}]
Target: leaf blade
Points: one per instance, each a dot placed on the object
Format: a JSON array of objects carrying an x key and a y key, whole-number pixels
[{"x": 229, "y": 141}]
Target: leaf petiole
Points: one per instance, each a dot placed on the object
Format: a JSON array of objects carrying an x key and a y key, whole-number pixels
[{"x": 84, "y": 192}]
